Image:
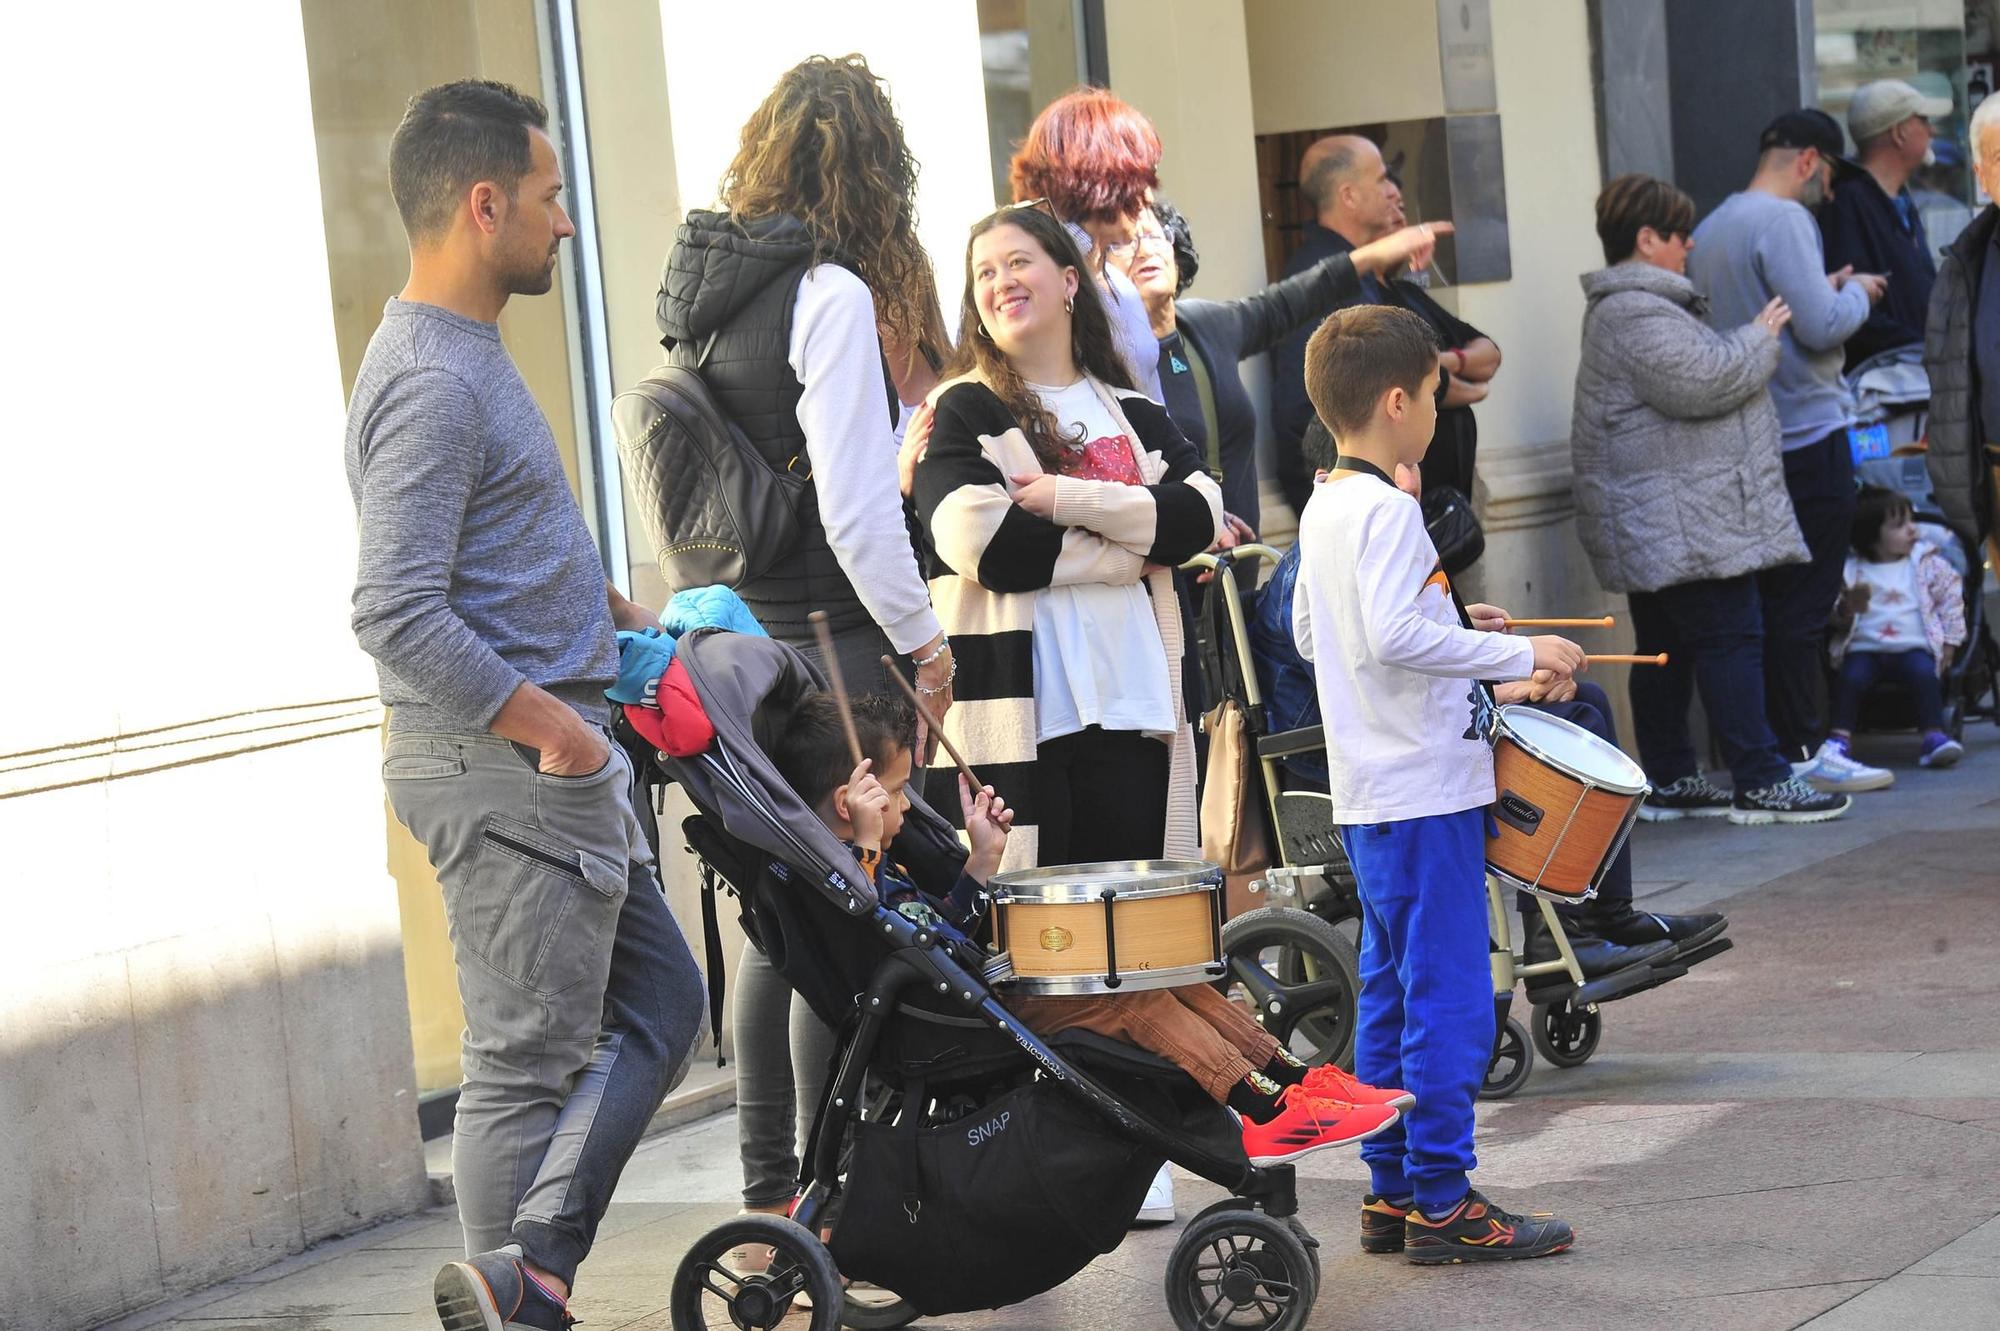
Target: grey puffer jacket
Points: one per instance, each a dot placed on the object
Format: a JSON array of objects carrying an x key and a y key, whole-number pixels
[{"x": 1674, "y": 439}]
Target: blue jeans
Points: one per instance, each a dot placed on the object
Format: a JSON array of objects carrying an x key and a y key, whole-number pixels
[
  {"x": 1425, "y": 1019},
  {"x": 1915, "y": 670},
  {"x": 1797, "y": 597},
  {"x": 1713, "y": 633}
]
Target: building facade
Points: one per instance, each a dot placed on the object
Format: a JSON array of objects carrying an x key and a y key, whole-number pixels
[{"x": 237, "y": 987}]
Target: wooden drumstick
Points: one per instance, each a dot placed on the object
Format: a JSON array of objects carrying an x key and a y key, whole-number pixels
[
  {"x": 1604, "y": 623},
  {"x": 1661, "y": 659},
  {"x": 825, "y": 635},
  {"x": 931, "y": 722}
]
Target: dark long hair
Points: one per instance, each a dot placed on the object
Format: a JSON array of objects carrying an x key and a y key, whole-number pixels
[
  {"x": 826, "y": 147},
  {"x": 1090, "y": 340}
]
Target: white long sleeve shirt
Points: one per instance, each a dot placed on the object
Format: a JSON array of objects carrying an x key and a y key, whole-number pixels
[
  {"x": 1395, "y": 667},
  {"x": 851, "y": 444}
]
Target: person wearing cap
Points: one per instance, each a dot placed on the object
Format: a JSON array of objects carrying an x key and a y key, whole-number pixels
[
  {"x": 1759, "y": 243},
  {"x": 1871, "y": 223},
  {"x": 1962, "y": 354}
]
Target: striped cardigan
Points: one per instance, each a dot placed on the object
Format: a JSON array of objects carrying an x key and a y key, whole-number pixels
[{"x": 991, "y": 558}]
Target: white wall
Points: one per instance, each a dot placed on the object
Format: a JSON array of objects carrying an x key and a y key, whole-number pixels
[
  {"x": 1319, "y": 63},
  {"x": 928, "y": 55},
  {"x": 204, "y": 1057}
]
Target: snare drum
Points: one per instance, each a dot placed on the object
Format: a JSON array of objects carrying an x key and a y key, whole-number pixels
[
  {"x": 1565, "y": 802},
  {"x": 1107, "y": 928}
]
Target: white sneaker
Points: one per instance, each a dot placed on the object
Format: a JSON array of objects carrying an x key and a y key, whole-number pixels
[
  {"x": 1159, "y": 1205},
  {"x": 1831, "y": 770}
]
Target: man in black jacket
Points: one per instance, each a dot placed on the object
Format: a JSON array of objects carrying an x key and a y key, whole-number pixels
[
  {"x": 1871, "y": 224},
  {"x": 1962, "y": 352},
  {"x": 1357, "y": 201}
]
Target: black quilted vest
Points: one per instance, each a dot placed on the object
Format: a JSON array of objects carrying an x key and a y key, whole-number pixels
[{"x": 738, "y": 283}]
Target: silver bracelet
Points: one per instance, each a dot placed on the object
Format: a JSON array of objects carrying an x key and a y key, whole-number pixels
[
  {"x": 944, "y": 687},
  {"x": 944, "y": 645}
]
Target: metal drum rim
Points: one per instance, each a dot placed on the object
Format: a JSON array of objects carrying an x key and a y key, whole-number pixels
[
  {"x": 1051, "y": 885},
  {"x": 1596, "y": 782},
  {"x": 1070, "y": 986}
]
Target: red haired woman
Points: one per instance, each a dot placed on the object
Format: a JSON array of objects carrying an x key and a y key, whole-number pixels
[{"x": 1094, "y": 158}]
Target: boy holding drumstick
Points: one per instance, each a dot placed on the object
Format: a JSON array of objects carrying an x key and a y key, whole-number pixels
[{"x": 1410, "y": 780}]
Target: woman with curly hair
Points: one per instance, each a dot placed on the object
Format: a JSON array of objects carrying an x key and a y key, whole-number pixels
[
  {"x": 1057, "y": 498},
  {"x": 809, "y": 307},
  {"x": 1094, "y": 158}
]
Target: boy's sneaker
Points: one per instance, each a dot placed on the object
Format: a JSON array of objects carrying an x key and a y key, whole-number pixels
[
  {"x": 1382, "y": 1223},
  {"x": 1308, "y": 1123},
  {"x": 1478, "y": 1231},
  {"x": 1940, "y": 750},
  {"x": 1329, "y": 1082},
  {"x": 1832, "y": 770},
  {"x": 493, "y": 1292},
  {"x": 1690, "y": 797},
  {"x": 1788, "y": 801}
]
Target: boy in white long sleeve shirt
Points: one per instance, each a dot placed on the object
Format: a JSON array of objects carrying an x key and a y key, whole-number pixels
[{"x": 1410, "y": 779}]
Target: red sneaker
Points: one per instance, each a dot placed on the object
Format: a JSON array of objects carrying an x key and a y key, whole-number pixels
[
  {"x": 1308, "y": 1123},
  {"x": 1329, "y": 1083}
]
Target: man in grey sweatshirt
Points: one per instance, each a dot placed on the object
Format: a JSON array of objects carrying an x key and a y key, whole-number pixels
[
  {"x": 481, "y": 596},
  {"x": 1762, "y": 243}
]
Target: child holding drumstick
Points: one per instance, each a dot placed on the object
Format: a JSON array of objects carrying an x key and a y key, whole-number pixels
[
  {"x": 1288, "y": 1110},
  {"x": 1410, "y": 779}
]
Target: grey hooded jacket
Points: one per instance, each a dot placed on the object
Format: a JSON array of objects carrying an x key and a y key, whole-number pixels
[{"x": 1674, "y": 439}]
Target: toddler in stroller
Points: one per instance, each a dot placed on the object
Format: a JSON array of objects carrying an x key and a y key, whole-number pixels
[
  {"x": 1288, "y": 1110},
  {"x": 983, "y": 1163}
]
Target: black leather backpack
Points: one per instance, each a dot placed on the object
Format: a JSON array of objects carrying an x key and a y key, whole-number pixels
[{"x": 716, "y": 510}]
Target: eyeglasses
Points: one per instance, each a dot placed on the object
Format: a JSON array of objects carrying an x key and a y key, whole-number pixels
[
  {"x": 1039, "y": 205},
  {"x": 1120, "y": 249}
]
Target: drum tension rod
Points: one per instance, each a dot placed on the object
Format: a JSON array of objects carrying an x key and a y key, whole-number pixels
[{"x": 1109, "y": 896}]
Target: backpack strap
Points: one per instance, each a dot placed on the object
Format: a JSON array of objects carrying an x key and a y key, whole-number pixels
[{"x": 711, "y": 941}]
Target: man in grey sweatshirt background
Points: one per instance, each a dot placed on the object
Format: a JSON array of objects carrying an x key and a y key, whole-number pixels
[
  {"x": 1759, "y": 243},
  {"x": 482, "y": 598}
]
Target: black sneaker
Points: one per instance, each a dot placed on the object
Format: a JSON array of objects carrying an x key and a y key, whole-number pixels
[
  {"x": 1478, "y": 1231},
  {"x": 1382, "y": 1224},
  {"x": 1595, "y": 956},
  {"x": 1789, "y": 801},
  {"x": 493, "y": 1292},
  {"x": 1629, "y": 928},
  {"x": 1690, "y": 797}
]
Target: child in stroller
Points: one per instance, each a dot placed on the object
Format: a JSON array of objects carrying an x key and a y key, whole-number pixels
[
  {"x": 1901, "y": 617},
  {"x": 1289, "y": 1111},
  {"x": 961, "y": 1160}
]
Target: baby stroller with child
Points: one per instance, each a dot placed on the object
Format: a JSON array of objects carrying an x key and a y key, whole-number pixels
[
  {"x": 958, "y": 1160},
  {"x": 1295, "y": 960}
]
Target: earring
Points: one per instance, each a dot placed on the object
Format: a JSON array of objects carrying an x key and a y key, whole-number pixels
[
  {"x": 1069, "y": 304},
  {"x": 983, "y": 333}
]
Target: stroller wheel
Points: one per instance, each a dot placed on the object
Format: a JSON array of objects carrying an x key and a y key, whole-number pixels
[
  {"x": 1297, "y": 975},
  {"x": 709, "y": 1292},
  {"x": 1237, "y": 1267},
  {"x": 1513, "y": 1060},
  {"x": 1566, "y": 1035}
]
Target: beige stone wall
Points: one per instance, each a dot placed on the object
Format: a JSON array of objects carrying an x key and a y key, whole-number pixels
[{"x": 204, "y": 1053}]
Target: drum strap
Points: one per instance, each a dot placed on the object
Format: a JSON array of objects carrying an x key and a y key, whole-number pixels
[{"x": 1481, "y": 721}]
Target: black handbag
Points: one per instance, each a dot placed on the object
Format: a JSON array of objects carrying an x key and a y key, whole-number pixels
[
  {"x": 717, "y": 510},
  {"x": 1454, "y": 528}
]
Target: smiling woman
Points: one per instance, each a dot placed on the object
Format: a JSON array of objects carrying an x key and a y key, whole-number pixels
[{"x": 1055, "y": 498}]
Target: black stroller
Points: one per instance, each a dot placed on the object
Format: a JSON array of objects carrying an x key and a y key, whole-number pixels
[{"x": 959, "y": 1161}]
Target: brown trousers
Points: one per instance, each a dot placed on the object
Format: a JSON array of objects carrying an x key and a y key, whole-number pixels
[{"x": 1192, "y": 1026}]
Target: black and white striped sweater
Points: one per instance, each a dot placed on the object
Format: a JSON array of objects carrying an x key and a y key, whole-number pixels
[{"x": 992, "y": 557}]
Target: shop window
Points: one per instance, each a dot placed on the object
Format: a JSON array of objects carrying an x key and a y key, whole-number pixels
[
  {"x": 1924, "y": 43},
  {"x": 1033, "y": 51}
]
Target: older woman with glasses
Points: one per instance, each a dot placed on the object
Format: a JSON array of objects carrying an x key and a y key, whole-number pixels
[{"x": 1202, "y": 341}]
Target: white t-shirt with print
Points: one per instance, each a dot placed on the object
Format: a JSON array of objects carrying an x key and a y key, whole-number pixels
[
  {"x": 1099, "y": 659},
  {"x": 1893, "y": 621}
]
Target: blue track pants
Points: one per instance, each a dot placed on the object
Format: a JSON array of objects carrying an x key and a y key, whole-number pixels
[{"x": 1426, "y": 1009}]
